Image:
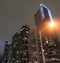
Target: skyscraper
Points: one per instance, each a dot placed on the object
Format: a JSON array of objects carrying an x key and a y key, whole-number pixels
[
  {"x": 49, "y": 38},
  {"x": 15, "y": 46},
  {"x": 20, "y": 46},
  {"x": 24, "y": 44},
  {"x": 6, "y": 53}
]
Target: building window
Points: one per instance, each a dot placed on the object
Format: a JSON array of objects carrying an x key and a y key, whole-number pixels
[
  {"x": 27, "y": 32},
  {"x": 25, "y": 38},
  {"x": 14, "y": 45},
  {"x": 17, "y": 60},
  {"x": 17, "y": 52}
]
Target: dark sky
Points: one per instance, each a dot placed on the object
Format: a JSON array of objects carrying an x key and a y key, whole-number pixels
[{"x": 15, "y": 13}]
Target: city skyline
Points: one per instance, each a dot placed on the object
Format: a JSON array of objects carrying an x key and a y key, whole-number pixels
[
  {"x": 40, "y": 44},
  {"x": 16, "y": 13}
]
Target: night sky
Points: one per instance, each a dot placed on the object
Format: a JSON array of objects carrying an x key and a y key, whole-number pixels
[{"x": 15, "y": 13}]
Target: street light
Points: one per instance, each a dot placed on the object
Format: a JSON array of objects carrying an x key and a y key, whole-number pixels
[{"x": 51, "y": 25}]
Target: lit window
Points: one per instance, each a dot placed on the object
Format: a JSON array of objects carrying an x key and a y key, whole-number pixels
[
  {"x": 13, "y": 59},
  {"x": 17, "y": 52},
  {"x": 40, "y": 52},
  {"x": 25, "y": 38},
  {"x": 14, "y": 45},
  {"x": 27, "y": 32},
  {"x": 24, "y": 52},
  {"x": 46, "y": 41},
  {"x": 46, "y": 53},
  {"x": 17, "y": 60}
]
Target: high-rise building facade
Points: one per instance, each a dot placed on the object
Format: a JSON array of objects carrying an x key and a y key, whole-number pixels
[
  {"x": 20, "y": 46},
  {"x": 49, "y": 38},
  {"x": 32, "y": 47},
  {"x": 24, "y": 44},
  {"x": 15, "y": 49},
  {"x": 6, "y": 53}
]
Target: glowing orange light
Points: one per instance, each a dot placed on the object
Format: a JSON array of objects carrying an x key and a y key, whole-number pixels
[{"x": 52, "y": 25}]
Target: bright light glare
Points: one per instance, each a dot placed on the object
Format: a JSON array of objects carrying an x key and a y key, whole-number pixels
[{"x": 52, "y": 24}]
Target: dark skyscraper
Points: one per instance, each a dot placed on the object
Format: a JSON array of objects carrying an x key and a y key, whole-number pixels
[
  {"x": 14, "y": 55},
  {"x": 42, "y": 15},
  {"x": 24, "y": 44},
  {"x": 20, "y": 46},
  {"x": 6, "y": 53},
  {"x": 49, "y": 37}
]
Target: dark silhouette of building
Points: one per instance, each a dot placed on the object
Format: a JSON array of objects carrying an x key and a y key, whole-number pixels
[
  {"x": 14, "y": 55},
  {"x": 24, "y": 44},
  {"x": 6, "y": 53},
  {"x": 20, "y": 46},
  {"x": 50, "y": 41}
]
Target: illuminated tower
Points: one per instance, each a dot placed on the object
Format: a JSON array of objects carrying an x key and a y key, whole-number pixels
[
  {"x": 49, "y": 39},
  {"x": 20, "y": 46},
  {"x": 24, "y": 44},
  {"x": 15, "y": 49},
  {"x": 42, "y": 15}
]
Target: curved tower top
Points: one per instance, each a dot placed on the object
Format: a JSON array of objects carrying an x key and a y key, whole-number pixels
[
  {"x": 43, "y": 15},
  {"x": 45, "y": 11}
]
